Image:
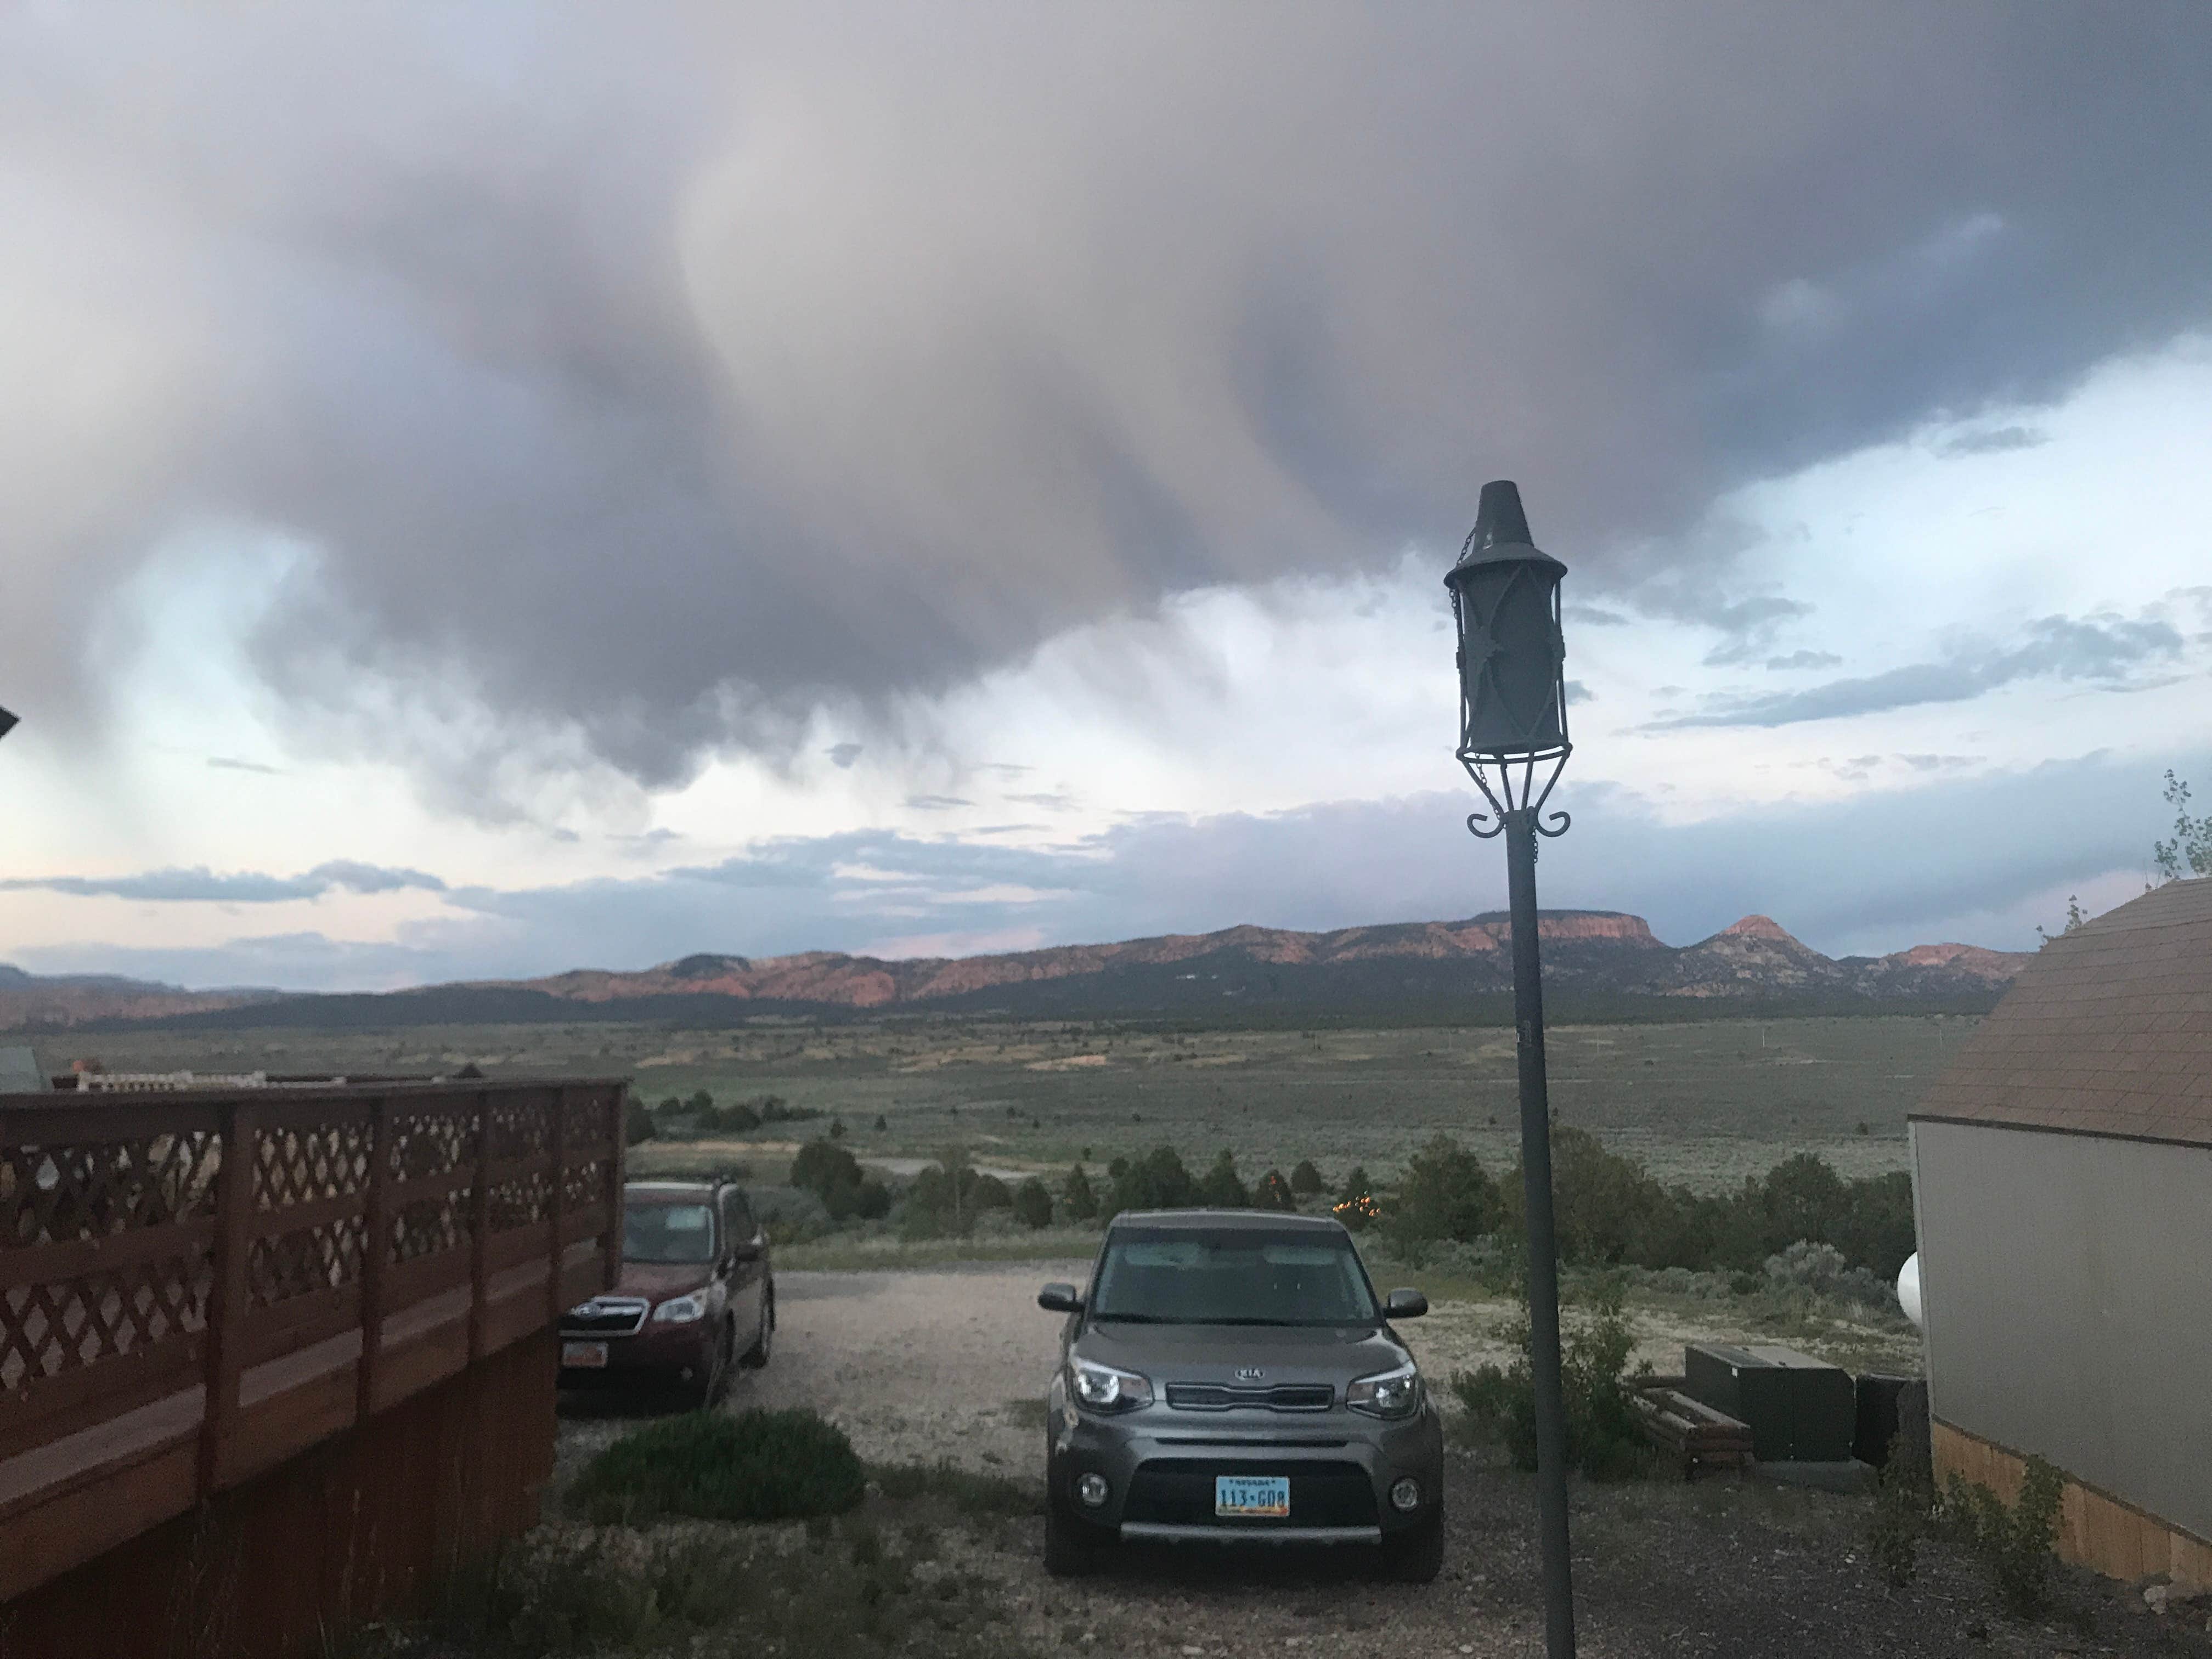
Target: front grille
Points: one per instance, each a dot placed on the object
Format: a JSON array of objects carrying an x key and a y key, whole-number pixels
[
  {"x": 605, "y": 1318},
  {"x": 1226, "y": 1397},
  {"x": 1178, "y": 1492}
]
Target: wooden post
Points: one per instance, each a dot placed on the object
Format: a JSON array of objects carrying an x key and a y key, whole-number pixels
[
  {"x": 557, "y": 1140},
  {"x": 610, "y": 1249},
  {"x": 376, "y": 1247},
  {"x": 480, "y": 1231},
  {"x": 240, "y": 1128}
]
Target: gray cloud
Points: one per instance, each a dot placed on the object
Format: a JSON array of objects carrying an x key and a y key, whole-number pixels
[
  {"x": 230, "y": 764},
  {"x": 936, "y": 803},
  {"x": 1804, "y": 660},
  {"x": 2104, "y": 649},
  {"x": 1995, "y": 442},
  {"x": 202, "y": 886},
  {"x": 474, "y": 308},
  {"x": 843, "y": 755}
]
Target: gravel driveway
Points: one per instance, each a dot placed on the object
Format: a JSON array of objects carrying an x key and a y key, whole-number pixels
[{"x": 952, "y": 1363}]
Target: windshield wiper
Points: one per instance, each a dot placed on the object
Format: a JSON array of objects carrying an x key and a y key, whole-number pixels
[{"x": 1139, "y": 1318}]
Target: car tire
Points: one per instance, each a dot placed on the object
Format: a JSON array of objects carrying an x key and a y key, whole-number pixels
[
  {"x": 1415, "y": 1555},
  {"x": 765, "y": 1342},
  {"x": 1072, "y": 1547},
  {"x": 715, "y": 1384}
]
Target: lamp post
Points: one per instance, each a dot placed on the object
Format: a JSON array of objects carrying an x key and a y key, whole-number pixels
[{"x": 1513, "y": 742}]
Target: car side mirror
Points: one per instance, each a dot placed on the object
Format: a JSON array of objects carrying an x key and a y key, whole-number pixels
[
  {"x": 745, "y": 1250},
  {"x": 1405, "y": 1304},
  {"x": 1059, "y": 1298}
]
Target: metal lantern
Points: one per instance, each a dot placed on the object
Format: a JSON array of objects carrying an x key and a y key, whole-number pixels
[{"x": 1505, "y": 596}]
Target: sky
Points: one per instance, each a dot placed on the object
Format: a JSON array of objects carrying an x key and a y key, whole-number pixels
[{"x": 487, "y": 489}]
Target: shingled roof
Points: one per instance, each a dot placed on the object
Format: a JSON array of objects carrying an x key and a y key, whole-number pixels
[{"x": 2108, "y": 1032}]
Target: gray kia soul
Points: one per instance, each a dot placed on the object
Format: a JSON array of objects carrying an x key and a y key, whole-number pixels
[{"x": 1231, "y": 1377}]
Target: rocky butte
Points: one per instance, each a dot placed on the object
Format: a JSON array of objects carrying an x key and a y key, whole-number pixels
[{"x": 1596, "y": 963}]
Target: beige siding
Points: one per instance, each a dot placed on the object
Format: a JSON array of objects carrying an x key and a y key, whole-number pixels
[{"x": 2067, "y": 1283}]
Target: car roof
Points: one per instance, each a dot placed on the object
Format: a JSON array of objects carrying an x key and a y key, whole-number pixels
[
  {"x": 1216, "y": 1220},
  {"x": 670, "y": 1192}
]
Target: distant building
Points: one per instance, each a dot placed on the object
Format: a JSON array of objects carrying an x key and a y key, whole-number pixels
[{"x": 2063, "y": 1177}]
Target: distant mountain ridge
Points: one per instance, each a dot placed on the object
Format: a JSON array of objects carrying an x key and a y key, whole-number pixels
[{"x": 1595, "y": 961}]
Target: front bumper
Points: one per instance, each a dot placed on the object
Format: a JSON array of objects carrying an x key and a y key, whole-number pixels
[
  {"x": 1160, "y": 1465},
  {"x": 656, "y": 1354}
]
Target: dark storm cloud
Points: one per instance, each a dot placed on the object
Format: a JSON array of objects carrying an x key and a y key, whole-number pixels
[
  {"x": 205, "y": 887},
  {"x": 640, "y": 381},
  {"x": 2104, "y": 650}
]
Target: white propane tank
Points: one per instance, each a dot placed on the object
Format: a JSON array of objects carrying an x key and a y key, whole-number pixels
[{"x": 1908, "y": 1289}]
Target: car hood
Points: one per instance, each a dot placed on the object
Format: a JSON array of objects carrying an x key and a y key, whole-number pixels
[
  {"x": 657, "y": 1281},
  {"x": 1216, "y": 1353}
]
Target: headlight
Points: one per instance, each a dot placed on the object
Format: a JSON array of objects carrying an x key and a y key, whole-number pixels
[
  {"x": 680, "y": 1310},
  {"x": 1102, "y": 1389},
  {"x": 1387, "y": 1394}
]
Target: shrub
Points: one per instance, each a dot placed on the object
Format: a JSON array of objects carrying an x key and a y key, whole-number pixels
[
  {"x": 1821, "y": 1269},
  {"x": 1156, "y": 1181},
  {"x": 1446, "y": 1194},
  {"x": 833, "y": 1175},
  {"x": 1033, "y": 1204},
  {"x": 2014, "y": 1541},
  {"x": 1605, "y": 1438},
  {"x": 1305, "y": 1180},
  {"x": 1902, "y": 1504},
  {"x": 758, "y": 1466},
  {"x": 637, "y": 1123},
  {"x": 1220, "y": 1189},
  {"x": 1273, "y": 1193},
  {"x": 1077, "y": 1199}
]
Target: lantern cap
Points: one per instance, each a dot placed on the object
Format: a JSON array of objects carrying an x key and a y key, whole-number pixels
[{"x": 1501, "y": 534}]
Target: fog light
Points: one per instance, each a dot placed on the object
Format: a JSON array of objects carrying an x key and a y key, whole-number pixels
[
  {"x": 1091, "y": 1490},
  {"x": 1407, "y": 1494}
]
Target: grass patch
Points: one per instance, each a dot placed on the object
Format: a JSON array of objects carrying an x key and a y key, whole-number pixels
[
  {"x": 845, "y": 1589},
  {"x": 757, "y": 1466},
  {"x": 970, "y": 1493}
]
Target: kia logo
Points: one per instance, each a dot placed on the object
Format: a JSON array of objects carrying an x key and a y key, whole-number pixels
[{"x": 1249, "y": 1373}]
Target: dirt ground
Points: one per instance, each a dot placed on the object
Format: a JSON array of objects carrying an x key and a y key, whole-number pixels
[{"x": 952, "y": 1363}]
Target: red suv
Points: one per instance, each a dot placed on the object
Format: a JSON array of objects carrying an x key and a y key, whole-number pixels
[{"x": 697, "y": 1295}]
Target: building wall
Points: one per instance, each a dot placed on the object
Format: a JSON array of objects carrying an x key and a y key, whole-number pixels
[{"x": 2066, "y": 1281}]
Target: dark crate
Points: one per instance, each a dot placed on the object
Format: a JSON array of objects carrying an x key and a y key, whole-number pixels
[
  {"x": 1799, "y": 1409},
  {"x": 1890, "y": 1406}
]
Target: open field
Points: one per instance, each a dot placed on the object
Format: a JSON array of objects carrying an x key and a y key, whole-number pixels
[{"x": 1704, "y": 1103}]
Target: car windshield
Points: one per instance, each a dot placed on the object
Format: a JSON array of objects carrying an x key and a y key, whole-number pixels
[
  {"x": 1186, "y": 1276},
  {"x": 668, "y": 1232}
]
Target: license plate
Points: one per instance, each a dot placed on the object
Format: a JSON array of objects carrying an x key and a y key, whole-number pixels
[
  {"x": 1244, "y": 1496},
  {"x": 583, "y": 1356}
]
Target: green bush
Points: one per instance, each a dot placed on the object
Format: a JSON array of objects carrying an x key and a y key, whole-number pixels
[
  {"x": 1446, "y": 1194},
  {"x": 2014, "y": 1541},
  {"x": 1355, "y": 1205},
  {"x": 1077, "y": 1199},
  {"x": 1605, "y": 1438},
  {"x": 1902, "y": 1505},
  {"x": 833, "y": 1175},
  {"x": 1273, "y": 1193},
  {"x": 1033, "y": 1204},
  {"x": 1156, "y": 1181},
  {"x": 757, "y": 1466},
  {"x": 1220, "y": 1189},
  {"x": 637, "y": 1123},
  {"x": 1305, "y": 1180}
]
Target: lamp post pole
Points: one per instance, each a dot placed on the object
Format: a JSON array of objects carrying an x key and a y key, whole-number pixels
[
  {"x": 1543, "y": 1239},
  {"x": 1513, "y": 743}
]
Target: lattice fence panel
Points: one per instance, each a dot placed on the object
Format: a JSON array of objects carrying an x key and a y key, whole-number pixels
[
  {"x": 519, "y": 1202},
  {"x": 281, "y": 1265},
  {"x": 298, "y": 1166},
  {"x": 519, "y": 1128},
  {"x": 428, "y": 1225},
  {"x": 435, "y": 1141},
  {"x": 583, "y": 1184},
  {"x": 50, "y": 1329},
  {"x": 50, "y": 1194}
]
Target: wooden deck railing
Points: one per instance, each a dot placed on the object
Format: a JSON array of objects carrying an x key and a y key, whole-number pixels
[{"x": 195, "y": 1287}]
